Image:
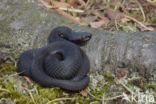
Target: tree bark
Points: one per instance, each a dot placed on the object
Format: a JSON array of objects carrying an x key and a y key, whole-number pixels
[{"x": 135, "y": 51}]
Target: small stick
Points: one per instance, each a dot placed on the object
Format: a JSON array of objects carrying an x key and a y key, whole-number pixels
[
  {"x": 71, "y": 10},
  {"x": 141, "y": 24},
  {"x": 128, "y": 89},
  {"x": 142, "y": 11},
  {"x": 31, "y": 95},
  {"x": 76, "y": 20}
]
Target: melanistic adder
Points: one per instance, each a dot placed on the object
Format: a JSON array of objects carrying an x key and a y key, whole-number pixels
[{"x": 61, "y": 63}]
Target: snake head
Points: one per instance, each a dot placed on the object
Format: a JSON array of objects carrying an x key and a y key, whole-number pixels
[{"x": 65, "y": 33}]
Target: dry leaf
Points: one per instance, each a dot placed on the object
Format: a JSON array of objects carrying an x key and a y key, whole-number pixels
[
  {"x": 28, "y": 80},
  {"x": 73, "y": 2},
  {"x": 124, "y": 20},
  {"x": 89, "y": 19},
  {"x": 84, "y": 92},
  {"x": 121, "y": 73},
  {"x": 82, "y": 2},
  {"x": 60, "y": 4},
  {"x": 97, "y": 24},
  {"x": 114, "y": 15},
  {"x": 46, "y": 3}
]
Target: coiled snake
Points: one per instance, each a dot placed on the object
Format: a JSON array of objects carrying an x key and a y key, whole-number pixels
[{"x": 62, "y": 63}]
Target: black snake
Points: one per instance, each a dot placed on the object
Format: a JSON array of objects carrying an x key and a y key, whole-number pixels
[{"x": 62, "y": 63}]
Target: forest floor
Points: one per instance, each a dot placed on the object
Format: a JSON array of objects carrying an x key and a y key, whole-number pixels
[{"x": 105, "y": 87}]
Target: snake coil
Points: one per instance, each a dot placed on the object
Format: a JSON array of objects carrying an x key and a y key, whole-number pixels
[{"x": 62, "y": 63}]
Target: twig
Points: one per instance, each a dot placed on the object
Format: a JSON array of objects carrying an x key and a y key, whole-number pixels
[
  {"x": 116, "y": 24},
  {"x": 46, "y": 4},
  {"x": 142, "y": 11},
  {"x": 133, "y": 78},
  {"x": 76, "y": 20},
  {"x": 11, "y": 75},
  {"x": 141, "y": 24},
  {"x": 59, "y": 99},
  {"x": 128, "y": 89},
  {"x": 106, "y": 99},
  {"x": 16, "y": 74},
  {"x": 112, "y": 98},
  {"x": 94, "y": 102},
  {"x": 31, "y": 95},
  {"x": 94, "y": 96},
  {"x": 82, "y": 2},
  {"x": 71, "y": 10}
]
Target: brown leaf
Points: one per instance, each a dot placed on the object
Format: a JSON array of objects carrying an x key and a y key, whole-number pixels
[
  {"x": 114, "y": 15},
  {"x": 124, "y": 20},
  {"x": 89, "y": 19},
  {"x": 28, "y": 80},
  {"x": 121, "y": 73},
  {"x": 46, "y": 3},
  {"x": 72, "y": 2},
  {"x": 82, "y": 2},
  {"x": 98, "y": 24},
  {"x": 60, "y": 4},
  {"x": 84, "y": 92}
]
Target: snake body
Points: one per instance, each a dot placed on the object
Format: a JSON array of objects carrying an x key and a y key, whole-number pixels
[{"x": 62, "y": 63}]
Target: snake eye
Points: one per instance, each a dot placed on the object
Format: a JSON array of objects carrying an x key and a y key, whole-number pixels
[{"x": 61, "y": 35}]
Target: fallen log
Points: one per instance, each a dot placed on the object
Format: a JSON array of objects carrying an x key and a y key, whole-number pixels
[{"x": 135, "y": 51}]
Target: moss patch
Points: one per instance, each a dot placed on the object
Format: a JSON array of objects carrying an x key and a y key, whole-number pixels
[
  {"x": 17, "y": 89},
  {"x": 7, "y": 69}
]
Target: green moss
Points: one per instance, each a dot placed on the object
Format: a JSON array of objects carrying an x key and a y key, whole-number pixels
[
  {"x": 81, "y": 100},
  {"x": 151, "y": 86},
  {"x": 108, "y": 76},
  {"x": 50, "y": 93},
  {"x": 14, "y": 90},
  {"x": 43, "y": 96},
  {"x": 6, "y": 69},
  {"x": 153, "y": 20},
  {"x": 103, "y": 86},
  {"x": 11, "y": 92}
]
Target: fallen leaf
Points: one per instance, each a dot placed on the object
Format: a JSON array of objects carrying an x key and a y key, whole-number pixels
[
  {"x": 121, "y": 73},
  {"x": 60, "y": 4},
  {"x": 124, "y": 20},
  {"x": 97, "y": 24},
  {"x": 73, "y": 2},
  {"x": 82, "y": 2},
  {"x": 84, "y": 92},
  {"x": 114, "y": 15},
  {"x": 89, "y": 19},
  {"x": 28, "y": 80}
]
